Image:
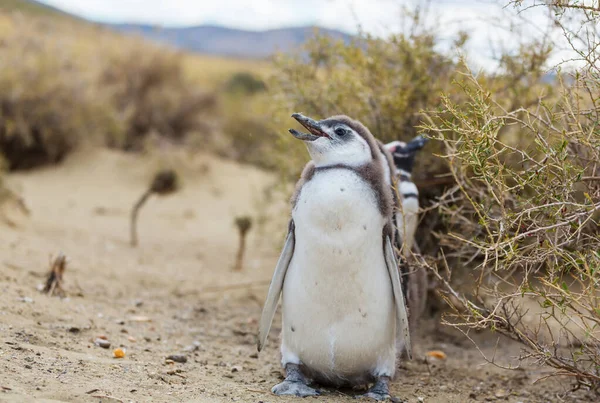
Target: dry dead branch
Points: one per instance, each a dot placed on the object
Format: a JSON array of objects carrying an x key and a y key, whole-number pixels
[
  {"x": 164, "y": 182},
  {"x": 243, "y": 224},
  {"x": 55, "y": 276}
]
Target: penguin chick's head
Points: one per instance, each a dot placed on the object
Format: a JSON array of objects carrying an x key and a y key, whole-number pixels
[
  {"x": 404, "y": 153},
  {"x": 336, "y": 140}
]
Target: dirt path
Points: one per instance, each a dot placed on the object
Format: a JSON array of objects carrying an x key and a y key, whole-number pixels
[{"x": 166, "y": 297}]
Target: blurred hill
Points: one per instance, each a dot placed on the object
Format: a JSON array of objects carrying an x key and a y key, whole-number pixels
[
  {"x": 33, "y": 7},
  {"x": 221, "y": 41},
  {"x": 205, "y": 39}
]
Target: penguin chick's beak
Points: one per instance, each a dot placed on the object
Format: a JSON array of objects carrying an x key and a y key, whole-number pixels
[
  {"x": 416, "y": 144},
  {"x": 311, "y": 125}
]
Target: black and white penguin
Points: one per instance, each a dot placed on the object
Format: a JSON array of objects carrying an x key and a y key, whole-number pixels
[
  {"x": 342, "y": 301},
  {"x": 403, "y": 155},
  {"x": 414, "y": 279}
]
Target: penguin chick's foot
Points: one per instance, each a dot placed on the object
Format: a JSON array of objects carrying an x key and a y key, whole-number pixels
[
  {"x": 381, "y": 391},
  {"x": 295, "y": 383}
]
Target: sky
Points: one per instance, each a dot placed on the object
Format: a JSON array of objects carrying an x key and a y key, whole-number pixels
[{"x": 485, "y": 20}]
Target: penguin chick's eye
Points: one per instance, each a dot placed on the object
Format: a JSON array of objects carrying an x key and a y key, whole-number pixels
[{"x": 340, "y": 131}]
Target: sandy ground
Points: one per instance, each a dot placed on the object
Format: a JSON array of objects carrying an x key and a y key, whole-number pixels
[{"x": 177, "y": 294}]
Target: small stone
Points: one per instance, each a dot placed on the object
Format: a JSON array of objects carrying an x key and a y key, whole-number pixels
[
  {"x": 26, "y": 300},
  {"x": 73, "y": 329},
  {"x": 102, "y": 343},
  {"x": 192, "y": 347},
  {"x": 119, "y": 353},
  {"x": 178, "y": 358},
  {"x": 254, "y": 355},
  {"x": 501, "y": 393},
  {"x": 236, "y": 368},
  {"x": 436, "y": 354},
  {"x": 140, "y": 318},
  {"x": 420, "y": 399}
]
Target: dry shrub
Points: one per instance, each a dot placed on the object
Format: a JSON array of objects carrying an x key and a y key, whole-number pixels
[
  {"x": 152, "y": 94},
  {"x": 249, "y": 133},
  {"x": 387, "y": 84},
  {"x": 245, "y": 83},
  {"x": 65, "y": 82},
  {"x": 46, "y": 105},
  {"x": 384, "y": 83},
  {"x": 523, "y": 218}
]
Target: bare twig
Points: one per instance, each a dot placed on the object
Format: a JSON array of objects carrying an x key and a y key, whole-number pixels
[{"x": 55, "y": 276}]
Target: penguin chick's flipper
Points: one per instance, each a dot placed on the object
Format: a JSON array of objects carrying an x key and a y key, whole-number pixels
[
  {"x": 381, "y": 390},
  {"x": 295, "y": 383},
  {"x": 275, "y": 288},
  {"x": 401, "y": 315}
]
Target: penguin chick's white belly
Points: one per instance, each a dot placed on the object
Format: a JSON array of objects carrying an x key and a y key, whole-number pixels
[{"x": 338, "y": 306}]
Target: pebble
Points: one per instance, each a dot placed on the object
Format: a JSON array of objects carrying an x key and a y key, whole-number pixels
[
  {"x": 102, "y": 343},
  {"x": 192, "y": 347},
  {"x": 140, "y": 318},
  {"x": 119, "y": 353},
  {"x": 436, "y": 354},
  {"x": 177, "y": 358},
  {"x": 236, "y": 368}
]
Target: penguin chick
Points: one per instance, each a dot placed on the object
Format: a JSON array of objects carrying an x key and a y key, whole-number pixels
[
  {"x": 414, "y": 279},
  {"x": 403, "y": 155},
  {"x": 342, "y": 302}
]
